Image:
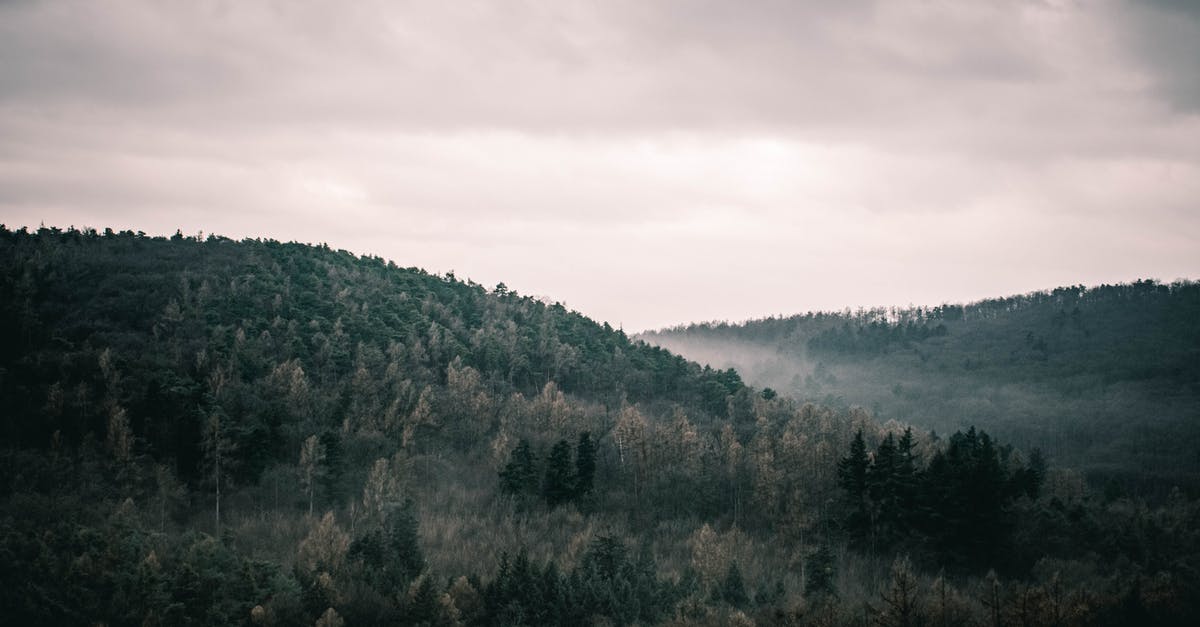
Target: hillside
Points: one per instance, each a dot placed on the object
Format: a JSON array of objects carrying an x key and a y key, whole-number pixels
[
  {"x": 198, "y": 431},
  {"x": 1106, "y": 379}
]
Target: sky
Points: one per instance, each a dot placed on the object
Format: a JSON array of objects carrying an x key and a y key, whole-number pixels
[{"x": 645, "y": 162}]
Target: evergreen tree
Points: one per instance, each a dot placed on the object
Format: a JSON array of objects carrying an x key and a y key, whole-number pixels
[
  {"x": 423, "y": 608},
  {"x": 852, "y": 477},
  {"x": 390, "y": 552},
  {"x": 559, "y": 483},
  {"x": 585, "y": 465},
  {"x": 821, "y": 573},
  {"x": 733, "y": 589},
  {"x": 906, "y": 478},
  {"x": 883, "y": 489},
  {"x": 519, "y": 475}
]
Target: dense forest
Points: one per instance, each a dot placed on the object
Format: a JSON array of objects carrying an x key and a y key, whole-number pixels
[
  {"x": 200, "y": 431},
  {"x": 1103, "y": 379}
]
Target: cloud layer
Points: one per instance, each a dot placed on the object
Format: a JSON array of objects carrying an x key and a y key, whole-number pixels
[{"x": 645, "y": 162}]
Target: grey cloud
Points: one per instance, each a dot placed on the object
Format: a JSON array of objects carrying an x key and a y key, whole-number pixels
[
  {"x": 646, "y": 161},
  {"x": 544, "y": 67},
  {"x": 1166, "y": 36}
]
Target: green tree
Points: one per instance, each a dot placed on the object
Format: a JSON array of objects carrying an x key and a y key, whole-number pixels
[
  {"x": 821, "y": 573},
  {"x": 519, "y": 475},
  {"x": 733, "y": 588},
  {"x": 559, "y": 483},
  {"x": 218, "y": 450},
  {"x": 852, "y": 477},
  {"x": 585, "y": 465}
]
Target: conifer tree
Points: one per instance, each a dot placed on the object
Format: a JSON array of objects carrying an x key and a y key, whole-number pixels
[
  {"x": 883, "y": 489},
  {"x": 423, "y": 606},
  {"x": 585, "y": 465},
  {"x": 852, "y": 477},
  {"x": 733, "y": 588},
  {"x": 559, "y": 482},
  {"x": 821, "y": 573},
  {"x": 519, "y": 475}
]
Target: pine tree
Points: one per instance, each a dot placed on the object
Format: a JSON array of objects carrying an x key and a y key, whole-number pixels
[
  {"x": 821, "y": 573},
  {"x": 519, "y": 475},
  {"x": 585, "y": 465},
  {"x": 852, "y": 477},
  {"x": 883, "y": 489},
  {"x": 404, "y": 540},
  {"x": 906, "y": 468},
  {"x": 559, "y": 482},
  {"x": 423, "y": 607},
  {"x": 733, "y": 589}
]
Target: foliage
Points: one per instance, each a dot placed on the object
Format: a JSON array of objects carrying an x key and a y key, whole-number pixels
[{"x": 198, "y": 431}]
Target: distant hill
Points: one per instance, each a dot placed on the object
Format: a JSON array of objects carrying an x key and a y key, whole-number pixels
[{"x": 1103, "y": 378}]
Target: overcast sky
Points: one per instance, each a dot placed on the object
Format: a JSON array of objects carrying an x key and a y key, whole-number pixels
[{"x": 647, "y": 163}]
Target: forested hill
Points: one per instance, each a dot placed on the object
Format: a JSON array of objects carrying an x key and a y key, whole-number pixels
[
  {"x": 155, "y": 324},
  {"x": 209, "y": 432},
  {"x": 1105, "y": 378}
]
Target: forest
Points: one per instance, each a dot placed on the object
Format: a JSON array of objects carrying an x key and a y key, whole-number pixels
[
  {"x": 202, "y": 431},
  {"x": 1105, "y": 379}
]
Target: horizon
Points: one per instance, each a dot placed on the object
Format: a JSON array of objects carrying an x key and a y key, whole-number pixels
[{"x": 549, "y": 298}]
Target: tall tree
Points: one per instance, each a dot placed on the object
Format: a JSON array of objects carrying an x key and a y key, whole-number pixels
[
  {"x": 519, "y": 475},
  {"x": 852, "y": 477},
  {"x": 559, "y": 482},
  {"x": 217, "y": 448},
  {"x": 312, "y": 466},
  {"x": 585, "y": 465}
]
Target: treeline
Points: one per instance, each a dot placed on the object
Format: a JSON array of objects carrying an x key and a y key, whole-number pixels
[{"x": 876, "y": 337}]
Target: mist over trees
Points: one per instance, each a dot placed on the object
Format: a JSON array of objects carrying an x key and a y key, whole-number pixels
[
  {"x": 198, "y": 431},
  {"x": 1103, "y": 379}
]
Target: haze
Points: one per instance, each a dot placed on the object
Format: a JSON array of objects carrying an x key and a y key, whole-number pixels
[{"x": 645, "y": 163}]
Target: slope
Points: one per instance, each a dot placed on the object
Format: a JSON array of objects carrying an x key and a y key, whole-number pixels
[{"x": 1106, "y": 379}]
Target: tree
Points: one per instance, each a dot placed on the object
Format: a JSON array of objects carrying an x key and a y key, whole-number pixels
[
  {"x": 901, "y": 598},
  {"x": 821, "y": 573},
  {"x": 852, "y": 477},
  {"x": 312, "y": 458},
  {"x": 168, "y": 492},
  {"x": 559, "y": 483},
  {"x": 519, "y": 475},
  {"x": 330, "y": 619},
  {"x": 906, "y": 471},
  {"x": 389, "y": 552},
  {"x": 630, "y": 436},
  {"x": 382, "y": 490},
  {"x": 585, "y": 465},
  {"x": 217, "y": 448},
  {"x": 882, "y": 486},
  {"x": 324, "y": 549},
  {"x": 423, "y": 604},
  {"x": 733, "y": 589}
]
